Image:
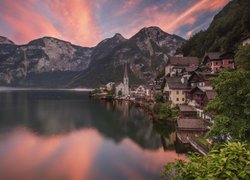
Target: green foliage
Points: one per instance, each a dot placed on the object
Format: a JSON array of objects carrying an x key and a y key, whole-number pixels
[
  {"x": 158, "y": 97},
  {"x": 242, "y": 58},
  {"x": 160, "y": 74},
  {"x": 224, "y": 33},
  {"x": 166, "y": 112},
  {"x": 232, "y": 105},
  {"x": 203, "y": 141},
  {"x": 232, "y": 161}
]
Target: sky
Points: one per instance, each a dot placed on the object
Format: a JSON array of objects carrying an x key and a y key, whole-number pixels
[{"x": 87, "y": 22}]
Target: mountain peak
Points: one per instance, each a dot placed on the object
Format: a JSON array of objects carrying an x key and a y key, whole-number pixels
[
  {"x": 118, "y": 36},
  {"x": 4, "y": 40},
  {"x": 153, "y": 30}
]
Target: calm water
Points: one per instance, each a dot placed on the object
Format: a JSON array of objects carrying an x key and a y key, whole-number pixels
[{"x": 66, "y": 135}]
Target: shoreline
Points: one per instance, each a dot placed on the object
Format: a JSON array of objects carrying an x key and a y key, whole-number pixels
[{"x": 5, "y": 89}]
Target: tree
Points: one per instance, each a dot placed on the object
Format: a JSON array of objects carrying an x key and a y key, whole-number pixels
[
  {"x": 231, "y": 161},
  {"x": 158, "y": 97},
  {"x": 242, "y": 58},
  {"x": 166, "y": 112},
  {"x": 231, "y": 105}
]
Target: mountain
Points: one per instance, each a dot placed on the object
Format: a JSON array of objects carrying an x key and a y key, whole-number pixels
[
  {"x": 145, "y": 53},
  {"x": 50, "y": 62},
  {"x": 46, "y": 58},
  {"x": 224, "y": 33},
  {"x": 4, "y": 40}
]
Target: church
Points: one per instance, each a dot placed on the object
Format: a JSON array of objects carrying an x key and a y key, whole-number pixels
[{"x": 123, "y": 88}]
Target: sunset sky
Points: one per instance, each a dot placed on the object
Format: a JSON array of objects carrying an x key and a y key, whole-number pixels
[{"x": 87, "y": 22}]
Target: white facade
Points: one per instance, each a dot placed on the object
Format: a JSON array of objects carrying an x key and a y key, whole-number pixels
[{"x": 123, "y": 87}]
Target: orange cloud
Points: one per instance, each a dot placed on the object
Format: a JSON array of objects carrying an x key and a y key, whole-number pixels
[{"x": 78, "y": 20}]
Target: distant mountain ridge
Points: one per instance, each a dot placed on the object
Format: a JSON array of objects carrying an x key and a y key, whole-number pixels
[{"x": 50, "y": 62}]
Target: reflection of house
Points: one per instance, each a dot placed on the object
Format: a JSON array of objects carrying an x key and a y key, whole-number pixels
[
  {"x": 177, "y": 65},
  {"x": 176, "y": 90},
  {"x": 217, "y": 60},
  {"x": 123, "y": 88}
]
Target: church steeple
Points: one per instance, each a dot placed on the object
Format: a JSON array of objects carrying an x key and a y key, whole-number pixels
[
  {"x": 125, "y": 72},
  {"x": 126, "y": 81}
]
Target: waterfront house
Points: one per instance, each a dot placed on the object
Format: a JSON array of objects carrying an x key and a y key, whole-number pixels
[
  {"x": 176, "y": 90},
  {"x": 176, "y": 66},
  {"x": 191, "y": 127},
  {"x": 187, "y": 111},
  {"x": 110, "y": 86}
]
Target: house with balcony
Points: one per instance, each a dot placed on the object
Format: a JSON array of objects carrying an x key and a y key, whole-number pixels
[
  {"x": 199, "y": 78},
  {"x": 218, "y": 60},
  {"x": 199, "y": 97}
]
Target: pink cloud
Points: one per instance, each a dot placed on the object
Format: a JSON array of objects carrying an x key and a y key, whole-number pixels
[
  {"x": 78, "y": 19},
  {"x": 172, "y": 21},
  {"x": 75, "y": 18},
  {"x": 127, "y": 6},
  {"x": 26, "y": 22}
]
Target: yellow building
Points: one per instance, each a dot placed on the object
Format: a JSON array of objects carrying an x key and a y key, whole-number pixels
[{"x": 176, "y": 90}]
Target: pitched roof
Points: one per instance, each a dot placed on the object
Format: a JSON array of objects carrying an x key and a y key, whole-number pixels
[
  {"x": 202, "y": 88},
  {"x": 186, "y": 108},
  {"x": 211, "y": 94},
  {"x": 213, "y": 55},
  {"x": 183, "y": 61},
  {"x": 183, "y": 123},
  {"x": 227, "y": 55},
  {"x": 175, "y": 83},
  {"x": 203, "y": 75}
]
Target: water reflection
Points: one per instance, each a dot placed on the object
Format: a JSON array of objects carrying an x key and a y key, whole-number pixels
[
  {"x": 65, "y": 135},
  {"x": 82, "y": 154}
]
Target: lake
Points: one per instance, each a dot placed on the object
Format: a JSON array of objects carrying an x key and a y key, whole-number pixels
[{"x": 67, "y": 135}]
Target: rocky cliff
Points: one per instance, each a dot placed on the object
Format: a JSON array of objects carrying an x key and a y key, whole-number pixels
[{"x": 50, "y": 62}]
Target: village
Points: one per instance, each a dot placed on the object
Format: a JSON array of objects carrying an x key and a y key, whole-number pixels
[{"x": 186, "y": 86}]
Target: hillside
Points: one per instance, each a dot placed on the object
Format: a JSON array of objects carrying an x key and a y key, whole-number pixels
[
  {"x": 51, "y": 62},
  {"x": 225, "y": 32}
]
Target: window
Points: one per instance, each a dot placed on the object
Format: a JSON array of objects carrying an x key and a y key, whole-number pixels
[
  {"x": 177, "y": 99},
  {"x": 177, "y": 92},
  {"x": 183, "y": 99},
  {"x": 183, "y": 92}
]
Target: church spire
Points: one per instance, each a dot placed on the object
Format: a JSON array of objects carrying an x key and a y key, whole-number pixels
[{"x": 126, "y": 71}]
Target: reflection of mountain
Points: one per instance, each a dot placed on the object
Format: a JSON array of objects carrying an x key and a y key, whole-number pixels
[{"x": 57, "y": 112}]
